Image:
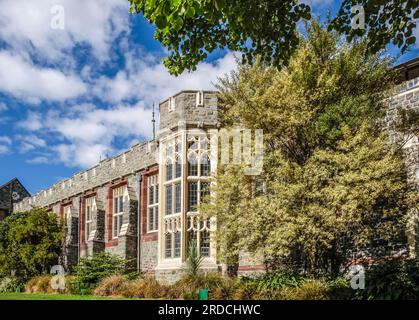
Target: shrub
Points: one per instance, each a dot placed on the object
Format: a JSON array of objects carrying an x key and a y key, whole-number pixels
[
  {"x": 189, "y": 285},
  {"x": 115, "y": 285},
  {"x": 42, "y": 284},
  {"x": 340, "y": 289},
  {"x": 70, "y": 285},
  {"x": 308, "y": 290},
  {"x": 90, "y": 271},
  {"x": 39, "y": 284},
  {"x": 147, "y": 287},
  {"x": 224, "y": 290},
  {"x": 267, "y": 286},
  {"x": 392, "y": 280},
  {"x": 11, "y": 284},
  {"x": 245, "y": 291}
]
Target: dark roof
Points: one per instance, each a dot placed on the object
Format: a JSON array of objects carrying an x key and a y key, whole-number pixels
[
  {"x": 12, "y": 181},
  {"x": 408, "y": 64},
  {"x": 408, "y": 70}
]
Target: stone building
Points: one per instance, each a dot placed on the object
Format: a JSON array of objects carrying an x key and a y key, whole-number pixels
[
  {"x": 10, "y": 193},
  {"x": 142, "y": 204}
]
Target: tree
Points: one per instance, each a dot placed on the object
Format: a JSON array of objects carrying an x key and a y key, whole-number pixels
[
  {"x": 385, "y": 22},
  {"x": 30, "y": 242},
  {"x": 191, "y": 29},
  {"x": 332, "y": 188}
]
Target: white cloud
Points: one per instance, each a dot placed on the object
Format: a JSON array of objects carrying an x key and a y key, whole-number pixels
[
  {"x": 30, "y": 142},
  {"x": 38, "y": 160},
  {"x": 38, "y": 64},
  {"x": 5, "y": 143},
  {"x": 88, "y": 134},
  {"x": 5, "y": 140},
  {"x": 152, "y": 82},
  {"x": 22, "y": 79},
  {"x": 3, "y": 107},
  {"x": 32, "y": 122},
  {"x": 26, "y": 26},
  {"x": 4, "y": 149}
]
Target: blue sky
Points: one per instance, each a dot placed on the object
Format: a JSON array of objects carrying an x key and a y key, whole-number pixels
[{"x": 70, "y": 97}]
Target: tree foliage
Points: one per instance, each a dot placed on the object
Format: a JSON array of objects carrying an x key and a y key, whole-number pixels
[
  {"x": 191, "y": 29},
  {"x": 30, "y": 242},
  {"x": 332, "y": 187},
  {"x": 385, "y": 22}
]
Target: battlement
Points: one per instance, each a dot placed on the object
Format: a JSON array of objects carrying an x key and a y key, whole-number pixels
[{"x": 138, "y": 157}]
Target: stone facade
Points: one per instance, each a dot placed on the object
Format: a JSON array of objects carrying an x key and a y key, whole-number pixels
[
  {"x": 110, "y": 206},
  {"x": 92, "y": 212}
]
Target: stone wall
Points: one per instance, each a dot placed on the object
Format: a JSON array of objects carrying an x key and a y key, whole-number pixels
[
  {"x": 408, "y": 99},
  {"x": 183, "y": 108},
  {"x": 135, "y": 159},
  {"x": 130, "y": 168}
]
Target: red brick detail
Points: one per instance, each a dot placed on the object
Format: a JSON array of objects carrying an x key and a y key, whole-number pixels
[
  {"x": 257, "y": 267},
  {"x": 147, "y": 236}
]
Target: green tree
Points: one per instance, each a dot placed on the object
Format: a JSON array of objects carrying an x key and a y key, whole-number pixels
[
  {"x": 191, "y": 29},
  {"x": 332, "y": 186},
  {"x": 30, "y": 242}
]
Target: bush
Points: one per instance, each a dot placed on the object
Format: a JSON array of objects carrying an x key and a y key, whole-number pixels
[
  {"x": 189, "y": 284},
  {"x": 90, "y": 271},
  {"x": 11, "y": 284},
  {"x": 39, "y": 284},
  {"x": 42, "y": 284},
  {"x": 224, "y": 290},
  {"x": 308, "y": 290},
  {"x": 267, "y": 286},
  {"x": 392, "y": 280},
  {"x": 245, "y": 291},
  {"x": 340, "y": 289},
  {"x": 147, "y": 288},
  {"x": 115, "y": 285}
]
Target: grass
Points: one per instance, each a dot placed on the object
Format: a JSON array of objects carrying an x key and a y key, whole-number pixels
[{"x": 46, "y": 296}]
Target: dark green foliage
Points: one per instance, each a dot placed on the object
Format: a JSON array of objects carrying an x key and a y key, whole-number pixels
[
  {"x": 392, "y": 280},
  {"x": 11, "y": 284},
  {"x": 192, "y": 29},
  {"x": 274, "y": 281},
  {"x": 90, "y": 271},
  {"x": 385, "y": 22},
  {"x": 30, "y": 243}
]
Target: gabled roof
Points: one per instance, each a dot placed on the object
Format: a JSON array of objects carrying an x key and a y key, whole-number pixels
[{"x": 14, "y": 180}]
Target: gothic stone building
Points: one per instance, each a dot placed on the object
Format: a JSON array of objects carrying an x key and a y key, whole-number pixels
[{"x": 142, "y": 204}]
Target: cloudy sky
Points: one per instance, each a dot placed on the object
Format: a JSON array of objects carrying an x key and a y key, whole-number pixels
[{"x": 71, "y": 96}]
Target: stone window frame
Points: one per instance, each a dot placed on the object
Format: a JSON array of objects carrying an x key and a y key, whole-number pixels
[
  {"x": 89, "y": 207},
  {"x": 67, "y": 214},
  {"x": 172, "y": 200},
  {"x": 153, "y": 204},
  {"x": 172, "y": 238},
  {"x": 198, "y": 149},
  {"x": 119, "y": 195}
]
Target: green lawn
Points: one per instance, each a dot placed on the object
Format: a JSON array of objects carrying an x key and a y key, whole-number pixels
[{"x": 42, "y": 296}]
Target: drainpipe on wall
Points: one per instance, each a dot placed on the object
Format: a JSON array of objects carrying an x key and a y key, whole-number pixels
[{"x": 140, "y": 179}]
